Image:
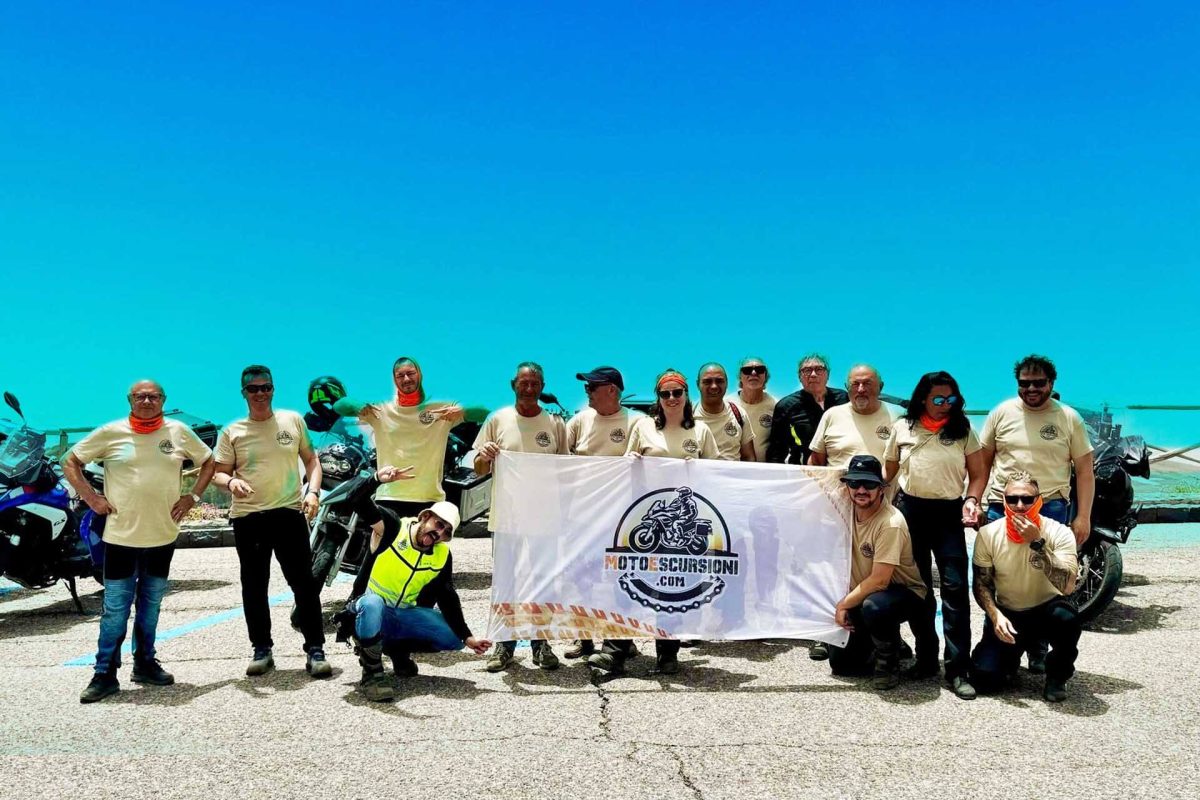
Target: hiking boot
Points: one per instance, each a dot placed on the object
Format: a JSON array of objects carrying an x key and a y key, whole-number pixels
[
  {"x": 403, "y": 665},
  {"x": 819, "y": 651},
  {"x": 102, "y": 685},
  {"x": 316, "y": 665},
  {"x": 376, "y": 685},
  {"x": 543, "y": 656},
  {"x": 1056, "y": 691},
  {"x": 921, "y": 672},
  {"x": 151, "y": 672},
  {"x": 501, "y": 658},
  {"x": 607, "y": 662},
  {"x": 886, "y": 677},
  {"x": 261, "y": 663},
  {"x": 667, "y": 665},
  {"x": 580, "y": 648},
  {"x": 963, "y": 688}
]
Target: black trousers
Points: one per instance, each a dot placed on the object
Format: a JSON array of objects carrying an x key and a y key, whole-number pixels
[
  {"x": 875, "y": 642},
  {"x": 1054, "y": 621},
  {"x": 621, "y": 649},
  {"x": 937, "y": 535},
  {"x": 284, "y": 532},
  {"x": 399, "y": 509}
]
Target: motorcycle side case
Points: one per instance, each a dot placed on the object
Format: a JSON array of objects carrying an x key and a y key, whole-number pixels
[{"x": 470, "y": 492}]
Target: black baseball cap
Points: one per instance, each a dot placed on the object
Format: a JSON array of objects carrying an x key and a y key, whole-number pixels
[
  {"x": 603, "y": 375},
  {"x": 864, "y": 468}
]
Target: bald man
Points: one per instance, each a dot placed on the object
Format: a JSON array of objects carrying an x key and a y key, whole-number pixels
[
  {"x": 142, "y": 504},
  {"x": 862, "y": 427}
]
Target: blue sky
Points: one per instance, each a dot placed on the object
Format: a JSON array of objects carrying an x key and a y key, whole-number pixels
[{"x": 191, "y": 188}]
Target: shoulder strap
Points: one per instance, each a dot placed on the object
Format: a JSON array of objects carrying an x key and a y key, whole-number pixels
[{"x": 737, "y": 414}]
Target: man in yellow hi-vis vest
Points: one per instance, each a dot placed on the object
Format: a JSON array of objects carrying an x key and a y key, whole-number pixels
[{"x": 413, "y": 572}]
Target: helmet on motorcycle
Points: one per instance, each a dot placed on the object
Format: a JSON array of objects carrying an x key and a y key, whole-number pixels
[
  {"x": 323, "y": 392},
  {"x": 340, "y": 462},
  {"x": 684, "y": 491}
]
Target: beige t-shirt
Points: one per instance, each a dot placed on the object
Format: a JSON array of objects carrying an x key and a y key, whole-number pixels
[
  {"x": 266, "y": 455},
  {"x": 884, "y": 538},
  {"x": 544, "y": 433},
  {"x": 590, "y": 434},
  {"x": 411, "y": 436},
  {"x": 759, "y": 415},
  {"x": 931, "y": 467},
  {"x": 1020, "y": 582},
  {"x": 843, "y": 433},
  {"x": 728, "y": 433},
  {"x": 1042, "y": 443},
  {"x": 696, "y": 442},
  {"x": 142, "y": 478}
]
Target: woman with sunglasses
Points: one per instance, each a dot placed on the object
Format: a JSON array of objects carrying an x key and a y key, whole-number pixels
[
  {"x": 1025, "y": 568},
  {"x": 669, "y": 431},
  {"x": 931, "y": 455}
]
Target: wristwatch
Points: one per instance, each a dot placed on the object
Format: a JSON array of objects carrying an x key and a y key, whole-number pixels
[
  {"x": 195, "y": 497},
  {"x": 1037, "y": 544}
]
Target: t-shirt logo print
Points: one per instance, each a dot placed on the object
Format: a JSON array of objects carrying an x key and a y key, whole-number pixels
[
  {"x": 672, "y": 551},
  {"x": 690, "y": 446},
  {"x": 883, "y": 432},
  {"x": 425, "y": 417},
  {"x": 284, "y": 438},
  {"x": 166, "y": 447},
  {"x": 731, "y": 429},
  {"x": 1048, "y": 432},
  {"x": 765, "y": 420},
  {"x": 867, "y": 549},
  {"x": 542, "y": 438},
  {"x": 617, "y": 435}
]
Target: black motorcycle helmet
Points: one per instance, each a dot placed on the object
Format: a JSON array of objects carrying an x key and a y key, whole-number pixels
[
  {"x": 323, "y": 392},
  {"x": 339, "y": 463}
]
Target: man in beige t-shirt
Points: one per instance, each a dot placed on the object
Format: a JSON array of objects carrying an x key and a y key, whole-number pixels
[
  {"x": 142, "y": 504},
  {"x": 861, "y": 427},
  {"x": 885, "y": 585},
  {"x": 759, "y": 406},
  {"x": 1025, "y": 567},
  {"x": 523, "y": 427},
  {"x": 728, "y": 422},
  {"x": 258, "y": 462}
]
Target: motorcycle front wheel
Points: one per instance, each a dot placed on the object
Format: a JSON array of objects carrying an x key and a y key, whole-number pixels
[
  {"x": 643, "y": 539},
  {"x": 1101, "y": 570}
]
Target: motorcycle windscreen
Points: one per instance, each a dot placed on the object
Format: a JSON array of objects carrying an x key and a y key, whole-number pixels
[{"x": 21, "y": 456}]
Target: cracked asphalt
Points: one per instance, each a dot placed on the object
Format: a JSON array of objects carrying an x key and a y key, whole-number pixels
[{"x": 741, "y": 720}]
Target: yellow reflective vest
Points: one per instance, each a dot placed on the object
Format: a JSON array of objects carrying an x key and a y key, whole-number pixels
[{"x": 402, "y": 571}]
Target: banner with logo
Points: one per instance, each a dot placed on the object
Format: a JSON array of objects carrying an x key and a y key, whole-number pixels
[{"x": 622, "y": 548}]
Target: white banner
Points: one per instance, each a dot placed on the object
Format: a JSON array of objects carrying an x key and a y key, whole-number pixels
[{"x": 621, "y": 548}]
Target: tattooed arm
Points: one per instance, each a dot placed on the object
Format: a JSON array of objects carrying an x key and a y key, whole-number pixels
[
  {"x": 1060, "y": 571},
  {"x": 983, "y": 585}
]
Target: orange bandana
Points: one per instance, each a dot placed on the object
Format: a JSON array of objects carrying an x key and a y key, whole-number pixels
[
  {"x": 145, "y": 425},
  {"x": 1032, "y": 515},
  {"x": 408, "y": 400},
  {"x": 671, "y": 377},
  {"x": 933, "y": 425}
]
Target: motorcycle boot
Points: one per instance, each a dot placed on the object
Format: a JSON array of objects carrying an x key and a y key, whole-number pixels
[
  {"x": 402, "y": 661},
  {"x": 102, "y": 685},
  {"x": 376, "y": 685},
  {"x": 151, "y": 672},
  {"x": 887, "y": 667}
]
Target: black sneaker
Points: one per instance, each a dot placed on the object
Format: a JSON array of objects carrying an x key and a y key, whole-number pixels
[
  {"x": 261, "y": 663},
  {"x": 151, "y": 672},
  {"x": 103, "y": 684},
  {"x": 316, "y": 665}
]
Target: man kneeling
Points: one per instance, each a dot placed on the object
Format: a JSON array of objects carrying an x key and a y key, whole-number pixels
[
  {"x": 1024, "y": 566},
  {"x": 886, "y": 587},
  {"x": 413, "y": 571}
]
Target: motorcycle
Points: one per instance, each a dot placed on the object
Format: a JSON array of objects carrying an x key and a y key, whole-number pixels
[
  {"x": 657, "y": 531},
  {"x": 46, "y": 533}
]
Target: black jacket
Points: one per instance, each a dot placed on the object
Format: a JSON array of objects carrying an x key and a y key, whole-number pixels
[{"x": 796, "y": 417}]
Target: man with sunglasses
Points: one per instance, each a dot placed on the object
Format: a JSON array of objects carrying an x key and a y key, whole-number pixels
[
  {"x": 759, "y": 406},
  {"x": 796, "y": 416},
  {"x": 886, "y": 588},
  {"x": 523, "y": 427},
  {"x": 1024, "y": 567},
  {"x": 601, "y": 429},
  {"x": 1033, "y": 432},
  {"x": 412, "y": 571},
  {"x": 725, "y": 420},
  {"x": 258, "y": 462},
  {"x": 142, "y": 504}
]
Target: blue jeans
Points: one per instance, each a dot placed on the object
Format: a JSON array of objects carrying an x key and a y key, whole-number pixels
[
  {"x": 134, "y": 577},
  {"x": 1058, "y": 510},
  {"x": 417, "y": 628}
]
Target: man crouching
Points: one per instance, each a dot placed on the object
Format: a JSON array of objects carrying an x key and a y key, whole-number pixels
[{"x": 413, "y": 571}]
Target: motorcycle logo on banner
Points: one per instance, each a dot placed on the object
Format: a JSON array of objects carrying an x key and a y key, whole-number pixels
[{"x": 672, "y": 551}]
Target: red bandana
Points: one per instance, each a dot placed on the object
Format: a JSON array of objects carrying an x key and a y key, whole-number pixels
[
  {"x": 1032, "y": 515},
  {"x": 933, "y": 425},
  {"x": 408, "y": 400},
  {"x": 145, "y": 425}
]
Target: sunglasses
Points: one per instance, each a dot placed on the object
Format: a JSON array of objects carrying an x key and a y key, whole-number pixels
[
  {"x": 665, "y": 393},
  {"x": 946, "y": 400},
  {"x": 591, "y": 387},
  {"x": 758, "y": 370},
  {"x": 255, "y": 388},
  {"x": 1019, "y": 499},
  {"x": 1036, "y": 383},
  {"x": 862, "y": 484}
]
